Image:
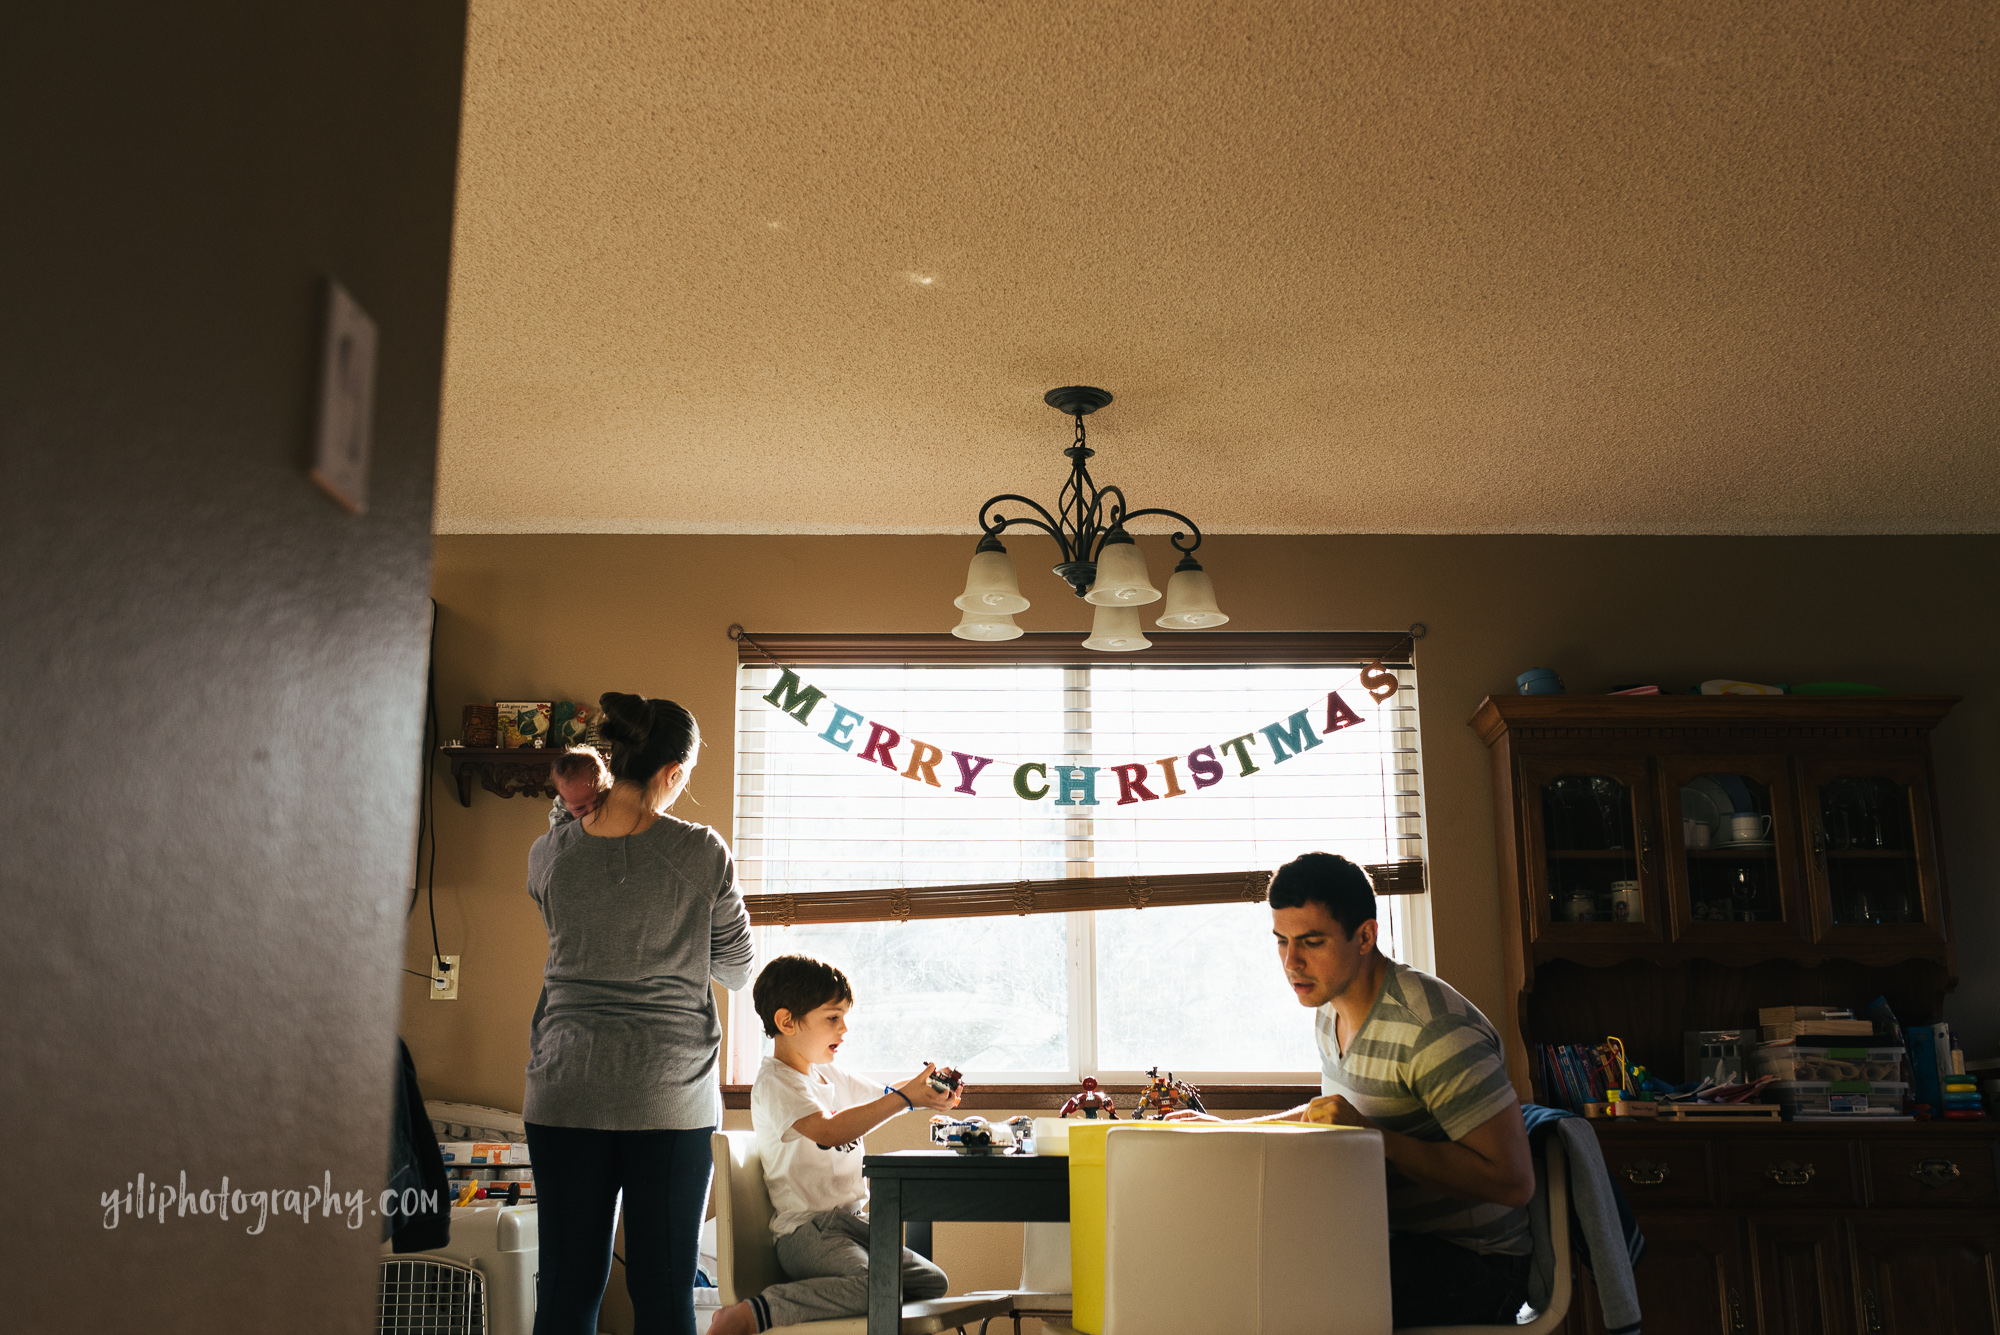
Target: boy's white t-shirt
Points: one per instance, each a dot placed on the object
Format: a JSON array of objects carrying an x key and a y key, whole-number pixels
[{"x": 803, "y": 1177}]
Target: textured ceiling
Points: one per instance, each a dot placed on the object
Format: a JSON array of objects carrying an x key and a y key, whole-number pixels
[{"x": 1379, "y": 266}]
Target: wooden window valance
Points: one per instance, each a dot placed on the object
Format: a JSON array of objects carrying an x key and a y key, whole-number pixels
[{"x": 1071, "y": 895}]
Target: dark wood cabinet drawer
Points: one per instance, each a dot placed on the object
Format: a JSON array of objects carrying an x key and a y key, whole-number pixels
[
  {"x": 1777, "y": 1175},
  {"x": 1666, "y": 1171},
  {"x": 1936, "y": 1172}
]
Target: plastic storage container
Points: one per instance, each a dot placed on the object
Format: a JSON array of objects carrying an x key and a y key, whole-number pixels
[
  {"x": 1827, "y": 1096},
  {"x": 1797, "y": 1062}
]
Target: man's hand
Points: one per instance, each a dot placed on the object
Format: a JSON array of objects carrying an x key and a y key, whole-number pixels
[
  {"x": 1335, "y": 1110},
  {"x": 922, "y": 1093}
]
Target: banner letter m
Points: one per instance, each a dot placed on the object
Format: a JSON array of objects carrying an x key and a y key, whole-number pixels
[
  {"x": 1299, "y": 736},
  {"x": 791, "y": 696}
]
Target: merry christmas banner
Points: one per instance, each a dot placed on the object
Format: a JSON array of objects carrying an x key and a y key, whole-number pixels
[{"x": 1068, "y": 783}]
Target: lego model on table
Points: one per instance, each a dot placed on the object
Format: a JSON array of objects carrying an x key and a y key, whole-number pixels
[{"x": 976, "y": 1135}]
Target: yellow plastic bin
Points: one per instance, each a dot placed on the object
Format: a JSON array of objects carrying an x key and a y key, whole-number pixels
[{"x": 1088, "y": 1208}]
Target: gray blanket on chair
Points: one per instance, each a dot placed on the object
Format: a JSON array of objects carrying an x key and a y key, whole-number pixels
[{"x": 1595, "y": 1225}]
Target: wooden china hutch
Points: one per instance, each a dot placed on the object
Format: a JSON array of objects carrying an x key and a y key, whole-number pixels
[{"x": 1818, "y": 879}]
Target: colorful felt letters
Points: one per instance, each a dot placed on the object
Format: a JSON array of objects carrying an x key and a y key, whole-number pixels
[{"x": 1075, "y": 785}]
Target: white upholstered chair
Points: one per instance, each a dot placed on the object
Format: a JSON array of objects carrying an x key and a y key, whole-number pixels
[
  {"x": 1251, "y": 1231},
  {"x": 1044, "y": 1292},
  {"x": 1555, "y": 1172},
  {"x": 748, "y": 1262}
]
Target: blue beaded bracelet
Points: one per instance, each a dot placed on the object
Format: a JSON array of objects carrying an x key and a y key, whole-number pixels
[{"x": 891, "y": 1089}]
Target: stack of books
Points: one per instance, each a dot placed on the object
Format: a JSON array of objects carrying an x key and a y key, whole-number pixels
[
  {"x": 1782, "y": 1022},
  {"x": 1572, "y": 1074}
]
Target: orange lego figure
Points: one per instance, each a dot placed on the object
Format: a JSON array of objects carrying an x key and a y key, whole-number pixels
[{"x": 1164, "y": 1095}]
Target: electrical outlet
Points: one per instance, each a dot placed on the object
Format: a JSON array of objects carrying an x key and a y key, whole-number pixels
[{"x": 444, "y": 978}]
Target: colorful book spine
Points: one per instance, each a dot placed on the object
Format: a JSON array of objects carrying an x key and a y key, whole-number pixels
[
  {"x": 1579, "y": 1091},
  {"x": 1570, "y": 1075}
]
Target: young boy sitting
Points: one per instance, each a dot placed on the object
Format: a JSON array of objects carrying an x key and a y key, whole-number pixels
[{"x": 809, "y": 1116}]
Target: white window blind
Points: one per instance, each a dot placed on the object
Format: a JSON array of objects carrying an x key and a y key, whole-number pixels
[{"x": 1053, "y": 997}]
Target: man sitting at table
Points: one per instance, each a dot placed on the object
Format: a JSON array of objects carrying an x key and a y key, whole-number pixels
[{"x": 1405, "y": 1054}]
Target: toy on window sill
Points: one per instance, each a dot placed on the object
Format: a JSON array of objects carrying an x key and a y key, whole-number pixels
[
  {"x": 1164, "y": 1095},
  {"x": 946, "y": 1079},
  {"x": 1090, "y": 1101}
]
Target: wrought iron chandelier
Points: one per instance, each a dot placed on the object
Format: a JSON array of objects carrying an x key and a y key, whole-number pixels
[{"x": 1099, "y": 559}]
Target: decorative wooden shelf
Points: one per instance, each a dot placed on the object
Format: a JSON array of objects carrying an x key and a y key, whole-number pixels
[{"x": 502, "y": 771}]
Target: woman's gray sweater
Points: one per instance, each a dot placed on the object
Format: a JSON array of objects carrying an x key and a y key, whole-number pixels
[{"x": 625, "y": 1036}]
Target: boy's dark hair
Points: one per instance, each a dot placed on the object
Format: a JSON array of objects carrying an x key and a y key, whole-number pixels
[
  {"x": 799, "y": 984},
  {"x": 1328, "y": 879}
]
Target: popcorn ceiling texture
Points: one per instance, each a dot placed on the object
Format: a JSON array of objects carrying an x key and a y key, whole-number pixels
[{"x": 1373, "y": 267}]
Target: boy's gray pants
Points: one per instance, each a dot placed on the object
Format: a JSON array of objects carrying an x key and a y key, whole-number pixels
[{"x": 827, "y": 1258}]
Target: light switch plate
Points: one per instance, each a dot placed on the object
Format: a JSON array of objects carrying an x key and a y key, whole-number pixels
[
  {"x": 444, "y": 978},
  {"x": 346, "y": 402}
]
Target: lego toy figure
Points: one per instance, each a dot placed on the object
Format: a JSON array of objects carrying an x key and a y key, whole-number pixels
[
  {"x": 974, "y": 1135},
  {"x": 1022, "y": 1129},
  {"x": 1164, "y": 1094},
  {"x": 1089, "y": 1101},
  {"x": 946, "y": 1079}
]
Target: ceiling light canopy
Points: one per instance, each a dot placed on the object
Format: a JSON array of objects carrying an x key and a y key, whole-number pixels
[{"x": 1099, "y": 559}]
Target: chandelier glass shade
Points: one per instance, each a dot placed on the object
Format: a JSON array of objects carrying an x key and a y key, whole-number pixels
[
  {"x": 1116, "y": 630},
  {"x": 1100, "y": 561},
  {"x": 990, "y": 585},
  {"x": 987, "y": 626},
  {"x": 1190, "y": 599},
  {"x": 1121, "y": 575}
]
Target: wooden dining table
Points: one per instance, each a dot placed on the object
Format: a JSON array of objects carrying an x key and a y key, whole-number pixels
[{"x": 919, "y": 1187}]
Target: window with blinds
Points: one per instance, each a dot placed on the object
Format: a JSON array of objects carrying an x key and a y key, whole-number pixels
[{"x": 1230, "y": 785}]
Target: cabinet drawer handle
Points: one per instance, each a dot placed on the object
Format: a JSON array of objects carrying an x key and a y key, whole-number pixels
[
  {"x": 1936, "y": 1172},
  {"x": 1736, "y": 1313},
  {"x": 1789, "y": 1174},
  {"x": 1871, "y": 1311},
  {"x": 1644, "y": 1173}
]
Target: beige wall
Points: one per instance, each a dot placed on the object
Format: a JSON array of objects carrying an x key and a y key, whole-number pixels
[
  {"x": 542, "y": 617},
  {"x": 219, "y": 671}
]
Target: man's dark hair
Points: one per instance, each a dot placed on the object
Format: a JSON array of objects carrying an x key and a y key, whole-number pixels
[
  {"x": 798, "y": 984},
  {"x": 1328, "y": 879}
]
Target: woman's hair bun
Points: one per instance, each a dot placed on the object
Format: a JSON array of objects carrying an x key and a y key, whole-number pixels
[
  {"x": 628, "y": 719},
  {"x": 646, "y": 736}
]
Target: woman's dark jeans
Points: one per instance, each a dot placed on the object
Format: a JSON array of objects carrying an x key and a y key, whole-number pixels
[{"x": 579, "y": 1174}]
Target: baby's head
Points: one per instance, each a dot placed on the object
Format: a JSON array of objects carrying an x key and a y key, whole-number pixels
[
  {"x": 803, "y": 1004},
  {"x": 580, "y": 779}
]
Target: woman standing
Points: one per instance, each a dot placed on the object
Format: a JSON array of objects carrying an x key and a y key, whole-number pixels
[{"x": 623, "y": 1087}]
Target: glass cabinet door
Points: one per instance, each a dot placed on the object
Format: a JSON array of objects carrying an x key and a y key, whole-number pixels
[
  {"x": 1590, "y": 849},
  {"x": 1874, "y": 863},
  {"x": 1734, "y": 828}
]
